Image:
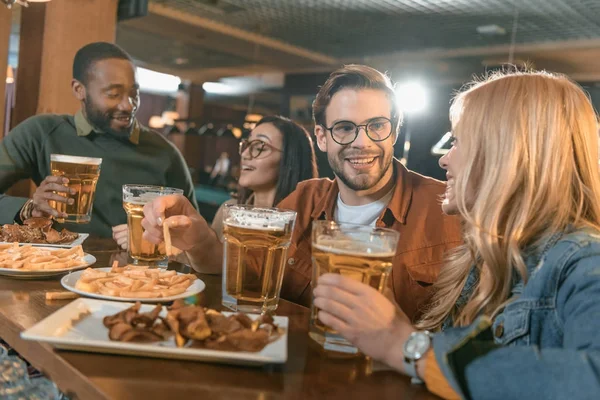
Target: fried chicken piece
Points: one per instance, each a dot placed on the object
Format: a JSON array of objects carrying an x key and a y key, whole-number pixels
[
  {"x": 38, "y": 222},
  {"x": 131, "y": 326},
  {"x": 162, "y": 329},
  {"x": 222, "y": 325},
  {"x": 125, "y": 316},
  {"x": 241, "y": 340},
  {"x": 249, "y": 340},
  {"x": 36, "y": 230},
  {"x": 243, "y": 319},
  {"x": 191, "y": 322},
  {"x": 52, "y": 236},
  {"x": 126, "y": 333},
  {"x": 146, "y": 320},
  {"x": 12, "y": 233},
  {"x": 67, "y": 236}
]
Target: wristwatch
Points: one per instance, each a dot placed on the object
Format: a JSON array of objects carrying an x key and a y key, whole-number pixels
[{"x": 415, "y": 347}]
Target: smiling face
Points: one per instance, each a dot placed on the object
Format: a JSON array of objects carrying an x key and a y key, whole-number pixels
[
  {"x": 262, "y": 172},
  {"x": 110, "y": 96},
  {"x": 363, "y": 165}
]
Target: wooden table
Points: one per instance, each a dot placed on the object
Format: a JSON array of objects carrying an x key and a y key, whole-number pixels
[{"x": 308, "y": 373}]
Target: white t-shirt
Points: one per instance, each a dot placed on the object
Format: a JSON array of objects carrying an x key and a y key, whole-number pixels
[{"x": 364, "y": 215}]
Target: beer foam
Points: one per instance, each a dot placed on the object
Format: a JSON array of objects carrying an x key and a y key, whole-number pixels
[
  {"x": 256, "y": 226},
  {"x": 259, "y": 219},
  {"x": 142, "y": 194},
  {"x": 142, "y": 198},
  {"x": 75, "y": 159},
  {"x": 353, "y": 248}
]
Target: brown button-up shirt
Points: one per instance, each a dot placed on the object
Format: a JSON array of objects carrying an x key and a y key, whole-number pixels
[{"x": 426, "y": 235}]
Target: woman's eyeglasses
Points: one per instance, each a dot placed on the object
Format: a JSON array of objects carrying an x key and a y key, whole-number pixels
[{"x": 255, "y": 147}]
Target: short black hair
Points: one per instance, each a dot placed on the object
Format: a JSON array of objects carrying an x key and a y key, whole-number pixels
[{"x": 93, "y": 52}]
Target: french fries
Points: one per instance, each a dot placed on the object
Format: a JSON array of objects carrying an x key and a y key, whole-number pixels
[
  {"x": 61, "y": 295},
  {"x": 134, "y": 281},
  {"x": 170, "y": 250},
  {"x": 167, "y": 235},
  {"x": 30, "y": 258}
]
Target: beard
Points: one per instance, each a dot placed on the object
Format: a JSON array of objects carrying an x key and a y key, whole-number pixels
[
  {"x": 101, "y": 120},
  {"x": 360, "y": 181}
]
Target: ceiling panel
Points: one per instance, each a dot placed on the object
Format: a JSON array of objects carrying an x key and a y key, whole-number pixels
[{"x": 358, "y": 28}]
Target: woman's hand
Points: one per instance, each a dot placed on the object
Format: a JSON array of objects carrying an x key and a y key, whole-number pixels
[
  {"x": 121, "y": 235},
  {"x": 365, "y": 317}
]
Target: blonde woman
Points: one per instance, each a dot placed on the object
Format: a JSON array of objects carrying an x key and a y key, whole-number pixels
[{"x": 516, "y": 312}]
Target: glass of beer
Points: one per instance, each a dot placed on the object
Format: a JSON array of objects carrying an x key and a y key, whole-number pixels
[
  {"x": 256, "y": 241},
  {"x": 360, "y": 252},
  {"x": 83, "y": 173},
  {"x": 141, "y": 251}
]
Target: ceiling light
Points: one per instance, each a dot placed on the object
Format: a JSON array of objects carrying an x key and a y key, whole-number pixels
[
  {"x": 491, "y": 30},
  {"x": 218, "y": 88},
  {"x": 169, "y": 117},
  {"x": 156, "y": 122},
  {"x": 412, "y": 97},
  {"x": 157, "y": 82},
  {"x": 253, "y": 117}
]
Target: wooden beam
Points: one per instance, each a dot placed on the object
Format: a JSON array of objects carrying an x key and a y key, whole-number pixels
[
  {"x": 31, "y": 42},
  {"x": 241, "y": 34},
  {"x": 69, "y": 26}
]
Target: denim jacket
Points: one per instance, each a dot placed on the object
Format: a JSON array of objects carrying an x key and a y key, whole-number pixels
[{"x": 545, "y": 344}]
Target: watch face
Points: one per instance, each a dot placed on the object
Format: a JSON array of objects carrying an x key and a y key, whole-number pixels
[{"x": 417, "y": 345}]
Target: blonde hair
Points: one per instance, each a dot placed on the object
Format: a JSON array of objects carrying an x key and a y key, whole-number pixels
[{"x": 530, "y": 145}]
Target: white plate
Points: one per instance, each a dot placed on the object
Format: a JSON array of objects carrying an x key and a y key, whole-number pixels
[
  {"x": 46, "y": 273},
  {"x": 69, "y": 281},
  {"x": 90, "y": 334},
  {"x": 80, "y": 238}
]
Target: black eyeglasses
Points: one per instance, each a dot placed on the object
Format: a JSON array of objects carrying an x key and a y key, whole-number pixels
[
  {"x": 346, "y": 132},
  {"x": 255, "y": 147}
]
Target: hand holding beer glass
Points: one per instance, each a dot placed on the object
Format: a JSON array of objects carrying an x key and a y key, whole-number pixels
[
  {"x": 135, "y": 197},
  {"x": 256, "y": 241},
  {"x": 73, "y": 203},
  {"x": 360, "y": 252}
]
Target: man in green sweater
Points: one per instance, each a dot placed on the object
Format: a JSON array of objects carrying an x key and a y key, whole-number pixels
[{"x": 104, "y": 81}]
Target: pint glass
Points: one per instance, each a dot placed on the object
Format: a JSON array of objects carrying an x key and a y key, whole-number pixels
[
  {"x": 360, "y": 252},
  {"x": 83, "y": 173},
  {"x": 135, "y": 197},
  {"x": 255, "y": 248}
]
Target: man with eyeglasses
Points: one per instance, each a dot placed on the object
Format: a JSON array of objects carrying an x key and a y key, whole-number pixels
[{"x": 356, "y": 123}]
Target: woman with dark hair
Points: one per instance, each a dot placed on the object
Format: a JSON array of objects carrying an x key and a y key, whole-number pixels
[{"x": 275, "y": 158}]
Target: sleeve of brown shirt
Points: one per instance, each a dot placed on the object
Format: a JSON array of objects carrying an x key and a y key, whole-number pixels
[{"x": 435, "y": 380}]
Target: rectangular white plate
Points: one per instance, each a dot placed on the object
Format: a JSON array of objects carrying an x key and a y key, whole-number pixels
[
  {"x": 89, "y": 334},
  {"x": 76, "y": 242}
]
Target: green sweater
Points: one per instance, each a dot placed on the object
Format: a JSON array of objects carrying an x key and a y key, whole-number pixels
[{"x": 145, "y": 157}]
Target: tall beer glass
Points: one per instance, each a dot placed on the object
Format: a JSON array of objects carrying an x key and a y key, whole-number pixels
[
  {"x": 360, "y": 252},
  {"x": 83, "y": 173},
  {"x": 135, "y": 198},
  {"x": 255, "y": 249}
]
